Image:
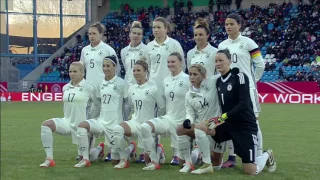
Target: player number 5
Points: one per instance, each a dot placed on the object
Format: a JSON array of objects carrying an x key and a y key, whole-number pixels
[{"x": 92, "y": 63}]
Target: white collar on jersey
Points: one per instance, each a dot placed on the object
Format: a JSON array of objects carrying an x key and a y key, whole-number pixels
[
  {"x": 142, "y": 85},
  {"x": 177, "y": 76},
  {"x": 111, "y": 81},
  {"x": 97, "y": 47},
  {"x": 203, "y": 86},
  {"x": 204, "y": 50},
  {"x": 81, "y": 83},
  {"x": 164, "y": 43},
  {"x": 135, "y": 48},
  {"x": 231, "y": 40}
]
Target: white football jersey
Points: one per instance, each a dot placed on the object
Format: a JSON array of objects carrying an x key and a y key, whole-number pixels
[
  {"x": 75, "y": 101},
  {"x": 244, "y": 52},
  {"x": 129, "y": 55},
  {"x": 143, "y": 100},
  {"x": 203, "y": 104},
  {"x": 175, "y": 89},
  {"x": 112, "y": 94},
  {"x": 205, "y": 57},
  {"x": 92, "y": 58},
  {"x": 157, "y": 58}
]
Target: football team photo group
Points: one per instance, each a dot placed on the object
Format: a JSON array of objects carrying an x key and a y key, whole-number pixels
[{"x": 204, "y": 100}]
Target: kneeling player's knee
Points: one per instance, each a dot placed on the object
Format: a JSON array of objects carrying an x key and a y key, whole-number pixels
[
  {"x": 85, "y": 125},
  {"x": 50, "y": 124},
  {"x": 118, "y": 130},
  {"x": 249, "y": 168},
  {"x": 180, "y": 130},
  {"x": 146, "y": 130}
]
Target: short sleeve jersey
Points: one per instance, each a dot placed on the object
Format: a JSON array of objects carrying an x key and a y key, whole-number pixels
[
  {"x": 175, "y": 89},
  {"x": 203, "y": 104},
  {"x": 143, "y": 99},
  {"x": 92, "y": 58},
  {"x": 157, "y": 57},
  {"x": 75, "y": 101},
  {"x": 205, "y": 57},
  {"x": 129, "y": 55},
  {"x": 112, "y": 94},
  {"x": 242, "y": 50}
]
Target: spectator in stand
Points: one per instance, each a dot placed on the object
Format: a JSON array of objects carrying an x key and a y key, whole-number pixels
[
  {"x": 40, "y": 88},
  {"x": 238, "y": 4},
  {"x": 32, "y": 88},
  {"x": 190, "y": 5}
]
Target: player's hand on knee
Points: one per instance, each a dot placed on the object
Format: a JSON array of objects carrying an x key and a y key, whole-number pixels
[{"x": 187, "y": 124}]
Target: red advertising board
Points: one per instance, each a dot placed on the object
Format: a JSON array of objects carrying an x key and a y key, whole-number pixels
[
  {"x": 279, "y": 98},
  {"x": 263, "y": 87}
]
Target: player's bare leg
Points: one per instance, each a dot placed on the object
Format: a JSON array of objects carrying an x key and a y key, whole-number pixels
[{"x": 47, "y": 141}]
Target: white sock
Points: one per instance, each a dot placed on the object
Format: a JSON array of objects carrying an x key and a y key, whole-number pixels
[
  {"x": 47, "y": 141},
  {"x": 231, "y": 148},
  {"x": 203, "y": 145},
  {"x": 148, "y": 142},
  {"x": 260, "y": 142},
  {"x": 175, "y": 152},
  {"x": 119, "y": 141},
  {"x": 261, "y": 161},
  {"x": 195, "y": 155},
  {"x": 129, "y": 149},
  {"x": 82, "y": 135},
  {"x": 94, "y": 153},
  {"x": 184, "y": 148}
]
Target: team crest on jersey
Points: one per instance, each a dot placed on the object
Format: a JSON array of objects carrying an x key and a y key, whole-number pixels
[
  {"x": 100, "y": 53},
  {"x": 206, "y": 88},
  {"x": 167, "y": 48},
  {"x": 180, "y": 83},
  {"x": 207, "y": 56},
  {"x": 229, "y": 87},
  {"x": 241, "y": 46},
  {"x": 87, "y": 54},
  {"x": 114, "y": 87},
  {"x": 127, "y": 54},
  {"x": 140, "y": 53},
  {"x": 166, "y": 85},
  {"x": 147, "y": 92},
  {"x": 81, "y": 89}
]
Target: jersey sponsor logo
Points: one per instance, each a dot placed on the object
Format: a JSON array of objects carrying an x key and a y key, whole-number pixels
[{"x": 229, "y": 87}]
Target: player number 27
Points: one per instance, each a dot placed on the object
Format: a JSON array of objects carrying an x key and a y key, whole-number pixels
[{"x": 105, "y": 97}]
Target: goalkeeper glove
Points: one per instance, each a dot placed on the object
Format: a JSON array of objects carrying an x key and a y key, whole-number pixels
[
  {"x": 187, "y": 124},
  {"x": 216, "y": 121}
]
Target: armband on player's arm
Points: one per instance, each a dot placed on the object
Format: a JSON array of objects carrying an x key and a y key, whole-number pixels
[
  {"x": 258, "y": 63},
  {"x": 216, "y": 121}
]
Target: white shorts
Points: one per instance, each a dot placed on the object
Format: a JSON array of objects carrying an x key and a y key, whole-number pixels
[
  {"x": 97, "y": 129},
  {"x": 63, "y": 127},
  {"x": 166, "y": 127},
  {"x": 135, "y": 131},
  {"x": 255, "y": 101}
]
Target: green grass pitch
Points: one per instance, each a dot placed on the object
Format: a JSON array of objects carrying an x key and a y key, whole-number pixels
[{"x": 292, "y": 131}]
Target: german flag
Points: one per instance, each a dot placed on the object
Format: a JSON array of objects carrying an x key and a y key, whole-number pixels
[{"x": 255, "y": 53}]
